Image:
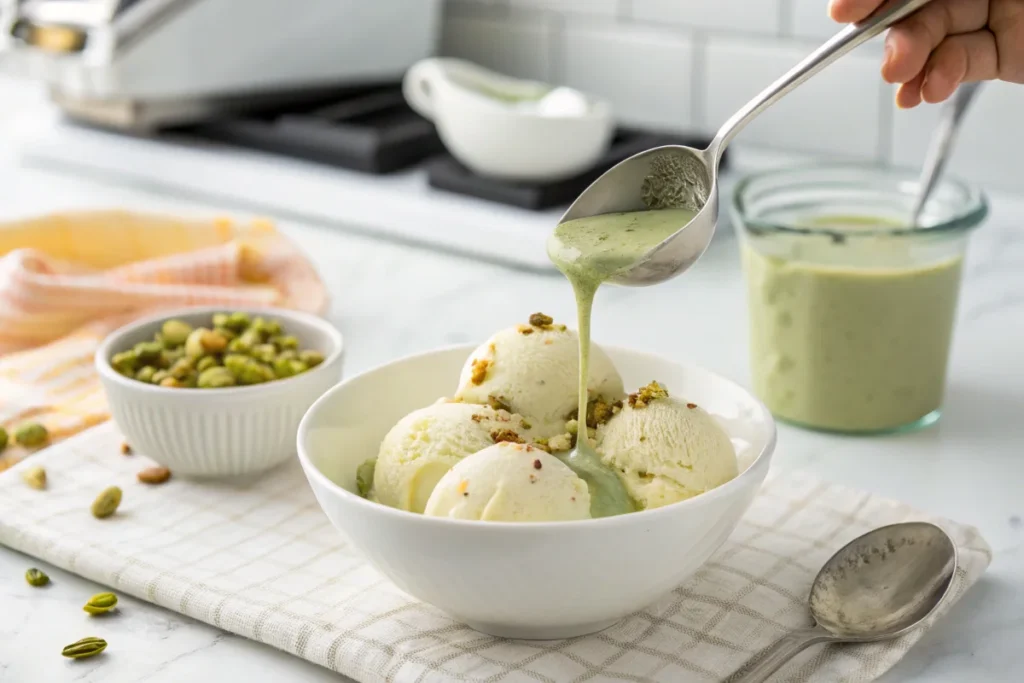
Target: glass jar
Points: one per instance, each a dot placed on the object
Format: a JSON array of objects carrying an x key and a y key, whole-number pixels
[{"x": 851, "y": 311}]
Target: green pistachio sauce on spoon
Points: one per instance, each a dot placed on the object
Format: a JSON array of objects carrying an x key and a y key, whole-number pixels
[{"x": 590, "y": 251}]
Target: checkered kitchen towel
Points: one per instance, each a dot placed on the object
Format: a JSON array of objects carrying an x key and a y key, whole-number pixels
[
  {"x": 258, "y": 558},
  {"x": 66, "y": 281}
]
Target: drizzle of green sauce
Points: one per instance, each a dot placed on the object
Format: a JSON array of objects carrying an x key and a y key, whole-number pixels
[{"x": 590, "y": 251}]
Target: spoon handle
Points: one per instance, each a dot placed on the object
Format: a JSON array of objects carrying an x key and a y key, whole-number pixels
[
  {"x": 942, "y": 146},
  {"x": 768, "y": 662},
  {"x": 841, "y": 44}
]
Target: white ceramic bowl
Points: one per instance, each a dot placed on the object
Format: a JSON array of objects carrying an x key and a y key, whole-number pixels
[
  {"x": 501, "y": 140},
  {"x": 218, "y": 432},
  {"x": 527, "y": 580}
]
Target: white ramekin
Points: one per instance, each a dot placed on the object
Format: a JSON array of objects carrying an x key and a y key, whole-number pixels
[{"x": 218, "y": 432}]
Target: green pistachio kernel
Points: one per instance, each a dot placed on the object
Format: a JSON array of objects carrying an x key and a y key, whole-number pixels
[
  {"x": 203, "y": 341},
  {"x": 206, "y": 362},
  {"x": 159, "y": 376},
  {"x": 264, "y": 353},
  {"x": 251, "y": 337},
  {"x": 147, "y": 352},
  {"x": 125, "y": 362},
  {"x": 239, "y": 345},
  {"x": 175, "y": 332},
  {"x": 220, "y": 319},
  {"x": 248, "y": 370},
  {"x": 169, "y": 357},
  {"x": 311, "y": 358},
  {"x": 216, "y": 378},
  {"x": 287, "y": 367},
  {"x": 285, "y": 342},
  {"x": 145, "y": 374},
  {"x": 3, "y": 439},
  {"x": 237, "y": 321},
  {"x": 182, "y": 368}
]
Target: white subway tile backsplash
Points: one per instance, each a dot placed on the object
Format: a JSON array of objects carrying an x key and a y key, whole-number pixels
[
  {"x": 518, "y": 46},
  {"x": 608, "y": 8},
  {"x": 644, "y": 72},
  {"x": 811, "y": 20},
  {"x": 689, "y": 64},
  {"x": 836, "y": 112},
  {"x": 757, "y": 16},
  {"x": 990, "y": 145}
]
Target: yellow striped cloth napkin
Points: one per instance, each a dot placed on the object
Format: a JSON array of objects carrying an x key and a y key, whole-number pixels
[{"x": 66, "y": 281}]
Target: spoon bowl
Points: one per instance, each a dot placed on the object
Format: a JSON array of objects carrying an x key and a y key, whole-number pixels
[
  {"x": 879, "y": 586},
  {"x": 687, "y": 178},
  {"x": 885, "y": 582},
  {"x": 663, "y": 177}
]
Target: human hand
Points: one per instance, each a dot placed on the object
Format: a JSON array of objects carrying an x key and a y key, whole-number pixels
[{"x": 946, "y": 43}]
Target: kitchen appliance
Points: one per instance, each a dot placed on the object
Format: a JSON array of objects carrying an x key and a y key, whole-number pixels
[{"x": 141, "y": 64}]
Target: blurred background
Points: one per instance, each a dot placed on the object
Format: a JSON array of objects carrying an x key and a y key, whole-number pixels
[
  {"x": 689, "y": 64},
  {"x": 210, "y": 98}
]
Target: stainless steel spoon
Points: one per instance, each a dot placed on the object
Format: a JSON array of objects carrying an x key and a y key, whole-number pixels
[
  {"x": 681, "y": 176},
  {"x": 879, "y": 586},
  {"x": 941, "y": 148}
]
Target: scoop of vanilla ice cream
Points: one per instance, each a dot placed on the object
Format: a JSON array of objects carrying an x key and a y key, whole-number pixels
[
  {"x": 510, "y": 482},
  {"x": 533, "y": 370},
  {"x": 428, "y": 442},
  {"x": 666, "y": 450}
]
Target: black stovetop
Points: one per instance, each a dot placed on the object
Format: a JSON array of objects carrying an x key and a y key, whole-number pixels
[{"x": 373, "y": 130}]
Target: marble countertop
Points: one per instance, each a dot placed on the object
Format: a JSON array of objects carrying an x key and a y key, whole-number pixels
[{"x": 390, "y": 300}]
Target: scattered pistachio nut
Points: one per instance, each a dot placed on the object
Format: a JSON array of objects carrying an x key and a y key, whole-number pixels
[
  {"x": 101, "y": 603},
  {"x": 3, "y": 439},
  {"x": 36, "y": 577},
  {"x": 31, "y": 434},
  {"x": 106, "y": 503},
  {"x": 154, "y": 475},
  {"x": 126, "y": 448},
  {"x": 35, "y": 477},
  {"x": 86, "y": 647},
  {"x": 206, "y": 363}
]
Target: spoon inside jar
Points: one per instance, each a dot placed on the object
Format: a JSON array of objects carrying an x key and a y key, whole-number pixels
[{"x": 941, "y": 148}]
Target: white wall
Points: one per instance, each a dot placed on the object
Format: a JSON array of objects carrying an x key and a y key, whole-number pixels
[{"x": 688, "y": 64}]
